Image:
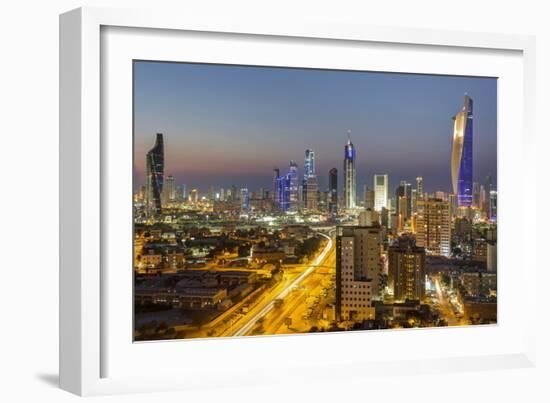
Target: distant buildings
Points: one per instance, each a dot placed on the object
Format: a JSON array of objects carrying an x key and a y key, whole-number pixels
[
  {"x": 358, "y": 270},
  {"x": 155, "y": 177},
  {"x": 406, "y": 270},
  {"x": 493, "y": 205},
  {"x": 333, "y": 191},
  {"x": 419, "y": 188},
  {"x": 433, "y": 229},
  {"x": 350, "y": 180},
  {"x": 169, "y": 189},
  {"x": 310, "y": 187},
  {"x": 276, "y": 175},
  {"x": 381, "y": 187},
  {"x": 244, "y": 199},
  {"x": 369, "y": 198},
  {"x": 293, "y": 198},
  {"x": 462, "y": 154}
]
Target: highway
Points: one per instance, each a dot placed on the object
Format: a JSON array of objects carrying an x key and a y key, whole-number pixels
[
  {"x": 263, "y": 308},
  {"x": 303, "y": 308}
]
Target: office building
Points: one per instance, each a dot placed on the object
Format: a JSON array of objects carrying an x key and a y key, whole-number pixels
[
  {"x": 244, "y": 199},
  {"x": 333, "y": 191},
  {"x": 381, "y": 186},
  {"x": 462, "y": 154},
  {"x": 406, "y": 270},
  {"x": 419, "y": 188},
  {"x": 276, "y": 175},
  {"x": 350, "y": 181},
  {"x": 169, "y": 189},
  {"x": 293, "y": 191},
  {"x": 155, "y": 177},
  {"x": 310, "y": 188},
  {"x": 433, "y": 227},
  {"x": 358, "y": 270},
  {"x": 368, "y": 196}
]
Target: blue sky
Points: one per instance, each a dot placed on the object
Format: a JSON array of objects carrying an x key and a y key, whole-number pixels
[{"x": 230, "y": 125}]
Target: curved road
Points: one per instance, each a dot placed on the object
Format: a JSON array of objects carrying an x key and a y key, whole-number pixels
[{"x": 249, "y": 324}]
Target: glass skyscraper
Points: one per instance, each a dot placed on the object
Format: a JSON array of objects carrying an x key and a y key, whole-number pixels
[
  {"x": 155, "y": 176},
  {"x": 349, "y": 175},
  {"x": 381, "y": 189},
  {"x": 293, "y": 184},
  {"x": 462, "y": 154}
]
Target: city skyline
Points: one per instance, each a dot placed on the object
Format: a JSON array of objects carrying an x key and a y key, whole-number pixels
[
  {"x": 283, "y": 228},
  {"x": 222, "y": 166}
]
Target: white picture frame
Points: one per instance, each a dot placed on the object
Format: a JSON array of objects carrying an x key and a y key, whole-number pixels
[{"x": 86, "y": 344}]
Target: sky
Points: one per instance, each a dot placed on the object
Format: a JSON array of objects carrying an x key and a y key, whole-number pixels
[{"x": 231, "y": 125}]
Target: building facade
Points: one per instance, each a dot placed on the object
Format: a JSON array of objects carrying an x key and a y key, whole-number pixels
[
  {"x": 350, "y": 181},
  {"x": 406, "y": 270},
  {"x": 358, "y": 270},
  {"x": 462, "y": 154},
  {"x": 333, "y": 191},
  {"x": 155, "y": 177},
  {"x": 433, "y": 228},
  {"x": 381, "y": 186}
]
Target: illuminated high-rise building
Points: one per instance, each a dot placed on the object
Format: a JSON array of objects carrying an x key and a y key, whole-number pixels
[
  {"x": 293, "y": 196},
  {"x": 309, "y": 185},
  {"x": 333, "y": 191},
  {"x": 194, "y": 196},
  {"x": 419, "y": 188},
  {"x": 276, "y": 174},
  {"x": 309, "y": 163},
  {"x": 433, "y": 226},
  {"x": 244, "y": 199},
  {"x": 155, "y": 177},
  {"x": 368, "y": 195},
  {"x": 403, "y": 198},
  {"x": 462, "y": 154},
  {"x": 358, "y": 270},
  {"x": 381, "y": 186},
  {"x": 169, "y": 189},
  {"x": 183, "y": 191},
  {"x": 350, "y": 182},
  {"x": 406, "y": 270}
]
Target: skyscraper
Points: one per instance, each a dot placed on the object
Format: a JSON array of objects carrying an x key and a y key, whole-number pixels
[
  {"x": 406, "y": 270},
  {"x": 369, "y": 197},
  {"x": 276, "y": 174},
  {"x": 419, "y": 188},
  {"x": 293, "y": 186},
  {"x": 155, "y": 176},
  {"x": 433, "y": 229},
  {"x": 381, "y": 186},
  {"x": 403, "y": 192},
  {"x": 309, "y": 163},
  {"x": 462, "y": 154},
  {"x": 333, "y": 191},
  {"x": 358, "y": 269},
  {"x": 169, "y": 190},
  {"x": 244, "y": 199},
  {"x": 350, "y": 194},
  {"x": 309, "y": 184}
]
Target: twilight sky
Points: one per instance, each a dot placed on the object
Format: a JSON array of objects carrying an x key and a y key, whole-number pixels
[{"x": 230, "y": 125}]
